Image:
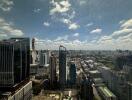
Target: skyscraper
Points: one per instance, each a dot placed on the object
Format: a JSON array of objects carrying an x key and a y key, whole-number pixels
[
  {"x": 43, "y": 58},
  {"x": 62, "y": 66},
  {"x": 33, "y": 44},
  {"x": 72, "y": 73},
  {"x": 25, "y": 57},
  {"x": 14, "y": 61},
  {"x": 53, "y": 78}
]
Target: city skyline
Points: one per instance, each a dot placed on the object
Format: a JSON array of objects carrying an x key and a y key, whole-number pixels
[
  {"x": 64, "y": 74},
  {"x": 76, "y": 24}
]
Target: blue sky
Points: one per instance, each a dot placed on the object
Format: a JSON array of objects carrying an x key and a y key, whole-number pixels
[{"x": 76, "y": 24}]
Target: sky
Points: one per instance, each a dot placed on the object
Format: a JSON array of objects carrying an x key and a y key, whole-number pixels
[{"x": 76, "y": 24}]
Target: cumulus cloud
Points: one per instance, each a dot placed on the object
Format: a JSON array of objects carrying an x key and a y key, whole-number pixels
[
  {"x": 125, "y": 29},
  {"x": 71, "y": 25},
  {"x": 54, "y": 44},
  {"x": 105, "y": 43},
  {"x": 72, "y": 14},
  {"x": 60, "y": 7},
  {"x": 62, "y": 11},
  {"x": 46, "y": 24},
  {"x": 6, "y": 5},
  {"x": 60, "y": 38},
  {"x": 82, "y": 2},
  {"x": 66, "y": 21},
  {"x": 98, "y": 30},
  {"x": 2, "y": 36},
  {"x": 76, "y": 34},
  {"x": 127, "y": 24},
  {"x": 105, "y": 39},
  {"x": 121, "y": 22},
  {"x": 122, "y": 41},
  {"x": 36, "y": 10},
  {"x": 8, "y": 30},
  {"x": 119, "y": 39},
  {"x": 121, "y": 32},
  {"x": 89, "y": 24}
]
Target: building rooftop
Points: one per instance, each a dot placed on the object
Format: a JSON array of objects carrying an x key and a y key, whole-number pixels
[
  {"x": 106, "y": 91},
  {"x": 94, "y": 71},
  {"x": 98, "y": 80}
]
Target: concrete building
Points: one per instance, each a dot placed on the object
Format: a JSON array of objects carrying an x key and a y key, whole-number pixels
[
  {"x": 106, "y": 75},
  {"x": 34, "y": 69},
  {"x": 116, "y": 81},
  {"x": 24, "y": 92},
  {"x": 105, "y": 93},
  {"x": 94, "y": 74}
]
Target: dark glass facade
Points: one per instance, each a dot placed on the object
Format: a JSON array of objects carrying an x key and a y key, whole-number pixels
[
  {"x": 14, "y": 61},
  {"x": 53, "y": 78},
  {"x": 62, "y": 66},
  {"x": 72, "y": 74}
]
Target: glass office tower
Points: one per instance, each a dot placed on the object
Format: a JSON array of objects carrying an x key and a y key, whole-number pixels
[
  {"x": 14, "y": 61},
  {"x": 62, "y": 66}
]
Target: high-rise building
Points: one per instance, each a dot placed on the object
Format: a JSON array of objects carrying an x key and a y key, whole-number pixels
[
  {"x": 33, "y": 44},
  {"x": 33, "y": 53},
  {"x": 25, "y": 47},
  {"x": 53, "y": 78},
  {"x": 72, "y": 73},
  {"x": 43, "y": 58},
  {"x": 129, "y": 91},
  {"x": 62, "y": 66},
  {"x": 86, "y": 89},
  {"x": 122, "y": 60},
  {"x": 14, "y": 61}
]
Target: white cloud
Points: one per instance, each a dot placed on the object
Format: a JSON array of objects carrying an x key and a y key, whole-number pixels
[
  {"x": 46, "y": 24},
  {"x": 124, "y": 31},
  {"x": 60, "y": 38},
  {"x": 36, "y": 10},
  {"x": 119, "y": 39},
  {"x": 54, "y": 44},
  {"x": 104, "y": 43},
  {"x": 3, "y": 36},
  {"x": 105, "y": 39},
  {"x": 62, "y": 11},
  {"x": 72, "y": 14},
  {"x": 122, "y": 41},
  {"x": 8, "y": 29},
  {"x": 98, "y": 30},
  {"x": 66, "y": 21},
  {"x": 89, "y": 24},
  {"x": 60, "y": 7},
  {"x": 122, "y": 21},
  {"x": 76, "y": 34},
  {"x": 82, "y": 2},
  {"x": 73, "y": 26},
  {"x": 127, "y": 38},
  {"x": 6, "y": 5},
  {"x": 127, "y": 24}
]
